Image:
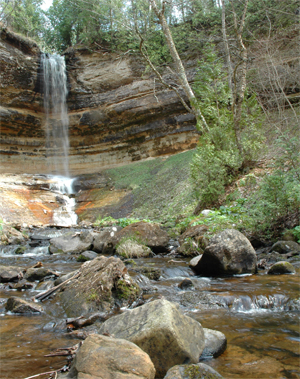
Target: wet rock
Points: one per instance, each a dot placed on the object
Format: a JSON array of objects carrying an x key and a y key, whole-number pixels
[
  {"x": 215, "y": 343},
  {"x": 151, "y": 273},
  {"x": 103, "y": 236},
  {"x": 106, "y": 358},
  {"x": 228, "y": 253},
  {"x": 33, "y": 274},
  {"x": 12, "y": 236},
  {"x": 149, "y": 234},
  {"x": 282, "y": 267},
  {"x": 197, "y": 371},
  {"x": 86, "y": 256},
  {"x": 162, "y": 331},
  {"x": 193, "y": 262},
  {"x": 73, "y": 242},
  {"x": 193, "y": 241},
  {"x": 17, "y": 305},
  {"x": 10, "y": 274},
  {"x": 132, "y": 249},
  {"x": 288, "y": 235},
  {"x": 284, "y": 247},
  {"x": 22, "y": 285},
  {"x": 185, "y": 283},
  {"x": 103, "y": 284},
  {"x": 65, "y": 277},
  {"x": 20, "y": 250}
]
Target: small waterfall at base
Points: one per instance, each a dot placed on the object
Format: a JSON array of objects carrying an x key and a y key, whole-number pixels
[{"x": 57, "y": 136}]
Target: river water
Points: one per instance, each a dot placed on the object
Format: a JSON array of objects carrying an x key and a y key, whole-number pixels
[{"x": 256, "y": 313}]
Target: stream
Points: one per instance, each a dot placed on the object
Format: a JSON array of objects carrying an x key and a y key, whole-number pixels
[{"x": 257, "y": 313}]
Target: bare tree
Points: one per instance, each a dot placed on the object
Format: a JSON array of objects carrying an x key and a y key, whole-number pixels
[{"x": 180, "y": 70}]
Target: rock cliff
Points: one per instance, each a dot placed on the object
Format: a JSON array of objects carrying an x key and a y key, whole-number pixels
[{"x": 116, "y": 115}]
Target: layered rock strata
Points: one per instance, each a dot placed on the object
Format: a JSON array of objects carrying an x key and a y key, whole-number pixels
[{"x": 116, "y": 115}]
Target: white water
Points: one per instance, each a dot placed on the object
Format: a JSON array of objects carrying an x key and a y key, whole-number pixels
[
  {"x": 57, "y": 136},
  {"x": 65, "y": 214},
  {"x": 57, "y": 120}
]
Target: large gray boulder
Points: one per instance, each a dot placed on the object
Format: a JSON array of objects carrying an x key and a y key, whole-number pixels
[
  {"x": 162, "y": 331},
  {"x": 198, "y": 371},
  {"x": 102, "y": 357},
  {"x": 228, "y": 253},
  {"x": 73, "y": 242},
  {"x": 100, "y": 285}
]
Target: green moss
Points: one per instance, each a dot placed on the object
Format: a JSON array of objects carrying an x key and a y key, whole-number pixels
[
  {"x": 82, "y": 258},
  {"x": 20, "y": 250},
  {"x": 195, "y": 372},
  {"x": 126, "y": 291}
]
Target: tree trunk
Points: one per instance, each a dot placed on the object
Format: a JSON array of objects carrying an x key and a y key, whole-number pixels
[{"x": 180, "y": 71}]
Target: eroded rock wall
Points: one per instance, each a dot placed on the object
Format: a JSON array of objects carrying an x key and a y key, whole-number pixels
[{"x": 116, "y": 115}]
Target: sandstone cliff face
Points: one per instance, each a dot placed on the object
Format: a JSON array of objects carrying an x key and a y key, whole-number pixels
[
  {"x": 21, "y": 109},
  {"x": 116, "y": 116}
]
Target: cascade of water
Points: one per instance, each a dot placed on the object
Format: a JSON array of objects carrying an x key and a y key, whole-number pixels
[
  {"x": 57, "y": 120},
  {"x": 57, "y": 136}
]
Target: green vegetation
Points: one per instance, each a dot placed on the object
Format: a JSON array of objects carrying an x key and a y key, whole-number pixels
[
  {"x": 296, "y": 232},
  {"x": 126, "y": 291},
  {"x": 160, "y": 187},
  {"x": 132, "y": 247},
  {"x": 122, "y": 222},
  {"x": 81, "y": 258}
]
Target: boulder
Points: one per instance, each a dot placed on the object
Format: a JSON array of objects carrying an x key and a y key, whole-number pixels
[
  {"x": 130, "y": 248},
  {"x": 194, "y": 261},
  {"x": 149, "y": 234},
  {"x": 12, "y": 236},
  {"x": 215, "y": 343},
  {"x": 281, "y": 267},
  {"x": 102, "y": 284},
  {"x": 33, "y": 274},
  {"x": 198, "y": 371},
  {"x": 101, "y": 237},
  {"x": 193, "y": 240},
  {"x": 10, "y": 274},
  {"x": 71, "y": 242},
  {"x": 228, "y": 253},
  {"x": 111, "y": 358},
  {"x": 284, "y": 247},
  {"x": 162, "y": 331},
  {"x": 17, "y": 305}
]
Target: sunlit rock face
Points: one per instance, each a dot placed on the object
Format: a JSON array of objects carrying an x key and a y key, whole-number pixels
[{"x": 116, "y": 115}]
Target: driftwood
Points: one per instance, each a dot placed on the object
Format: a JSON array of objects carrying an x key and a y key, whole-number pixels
[
  {"x": 80, "y": 322},
  {"x": 62, "y": 351},
  {"x": 44, "y": 295}
]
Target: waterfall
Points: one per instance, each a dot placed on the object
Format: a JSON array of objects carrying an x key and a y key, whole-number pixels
[
  {"x": 57, "y": 120},
  {"x": 57, "y": 136}
]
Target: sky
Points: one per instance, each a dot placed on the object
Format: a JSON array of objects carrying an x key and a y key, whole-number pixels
[{"x": 46, "y": 4}]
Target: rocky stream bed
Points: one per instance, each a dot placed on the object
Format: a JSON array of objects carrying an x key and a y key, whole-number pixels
[{"x": 256, "y": 313}]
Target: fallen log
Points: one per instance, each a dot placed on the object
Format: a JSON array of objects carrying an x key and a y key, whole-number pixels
[{"x": 44, "y": 295}]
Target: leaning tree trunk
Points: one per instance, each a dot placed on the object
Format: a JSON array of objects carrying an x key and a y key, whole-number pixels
[{"x": 178, "y": 64}]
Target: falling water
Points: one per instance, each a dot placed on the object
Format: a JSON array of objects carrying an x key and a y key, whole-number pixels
[
  {"x": 57, "y": 136},
  {"x": 57, "y": 121}
]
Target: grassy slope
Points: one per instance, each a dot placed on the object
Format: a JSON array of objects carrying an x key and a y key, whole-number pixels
[{"x": 161, "y": 187}]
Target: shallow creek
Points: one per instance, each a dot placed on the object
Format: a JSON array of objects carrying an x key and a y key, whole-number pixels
[{"x": 254, "y": 312}]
